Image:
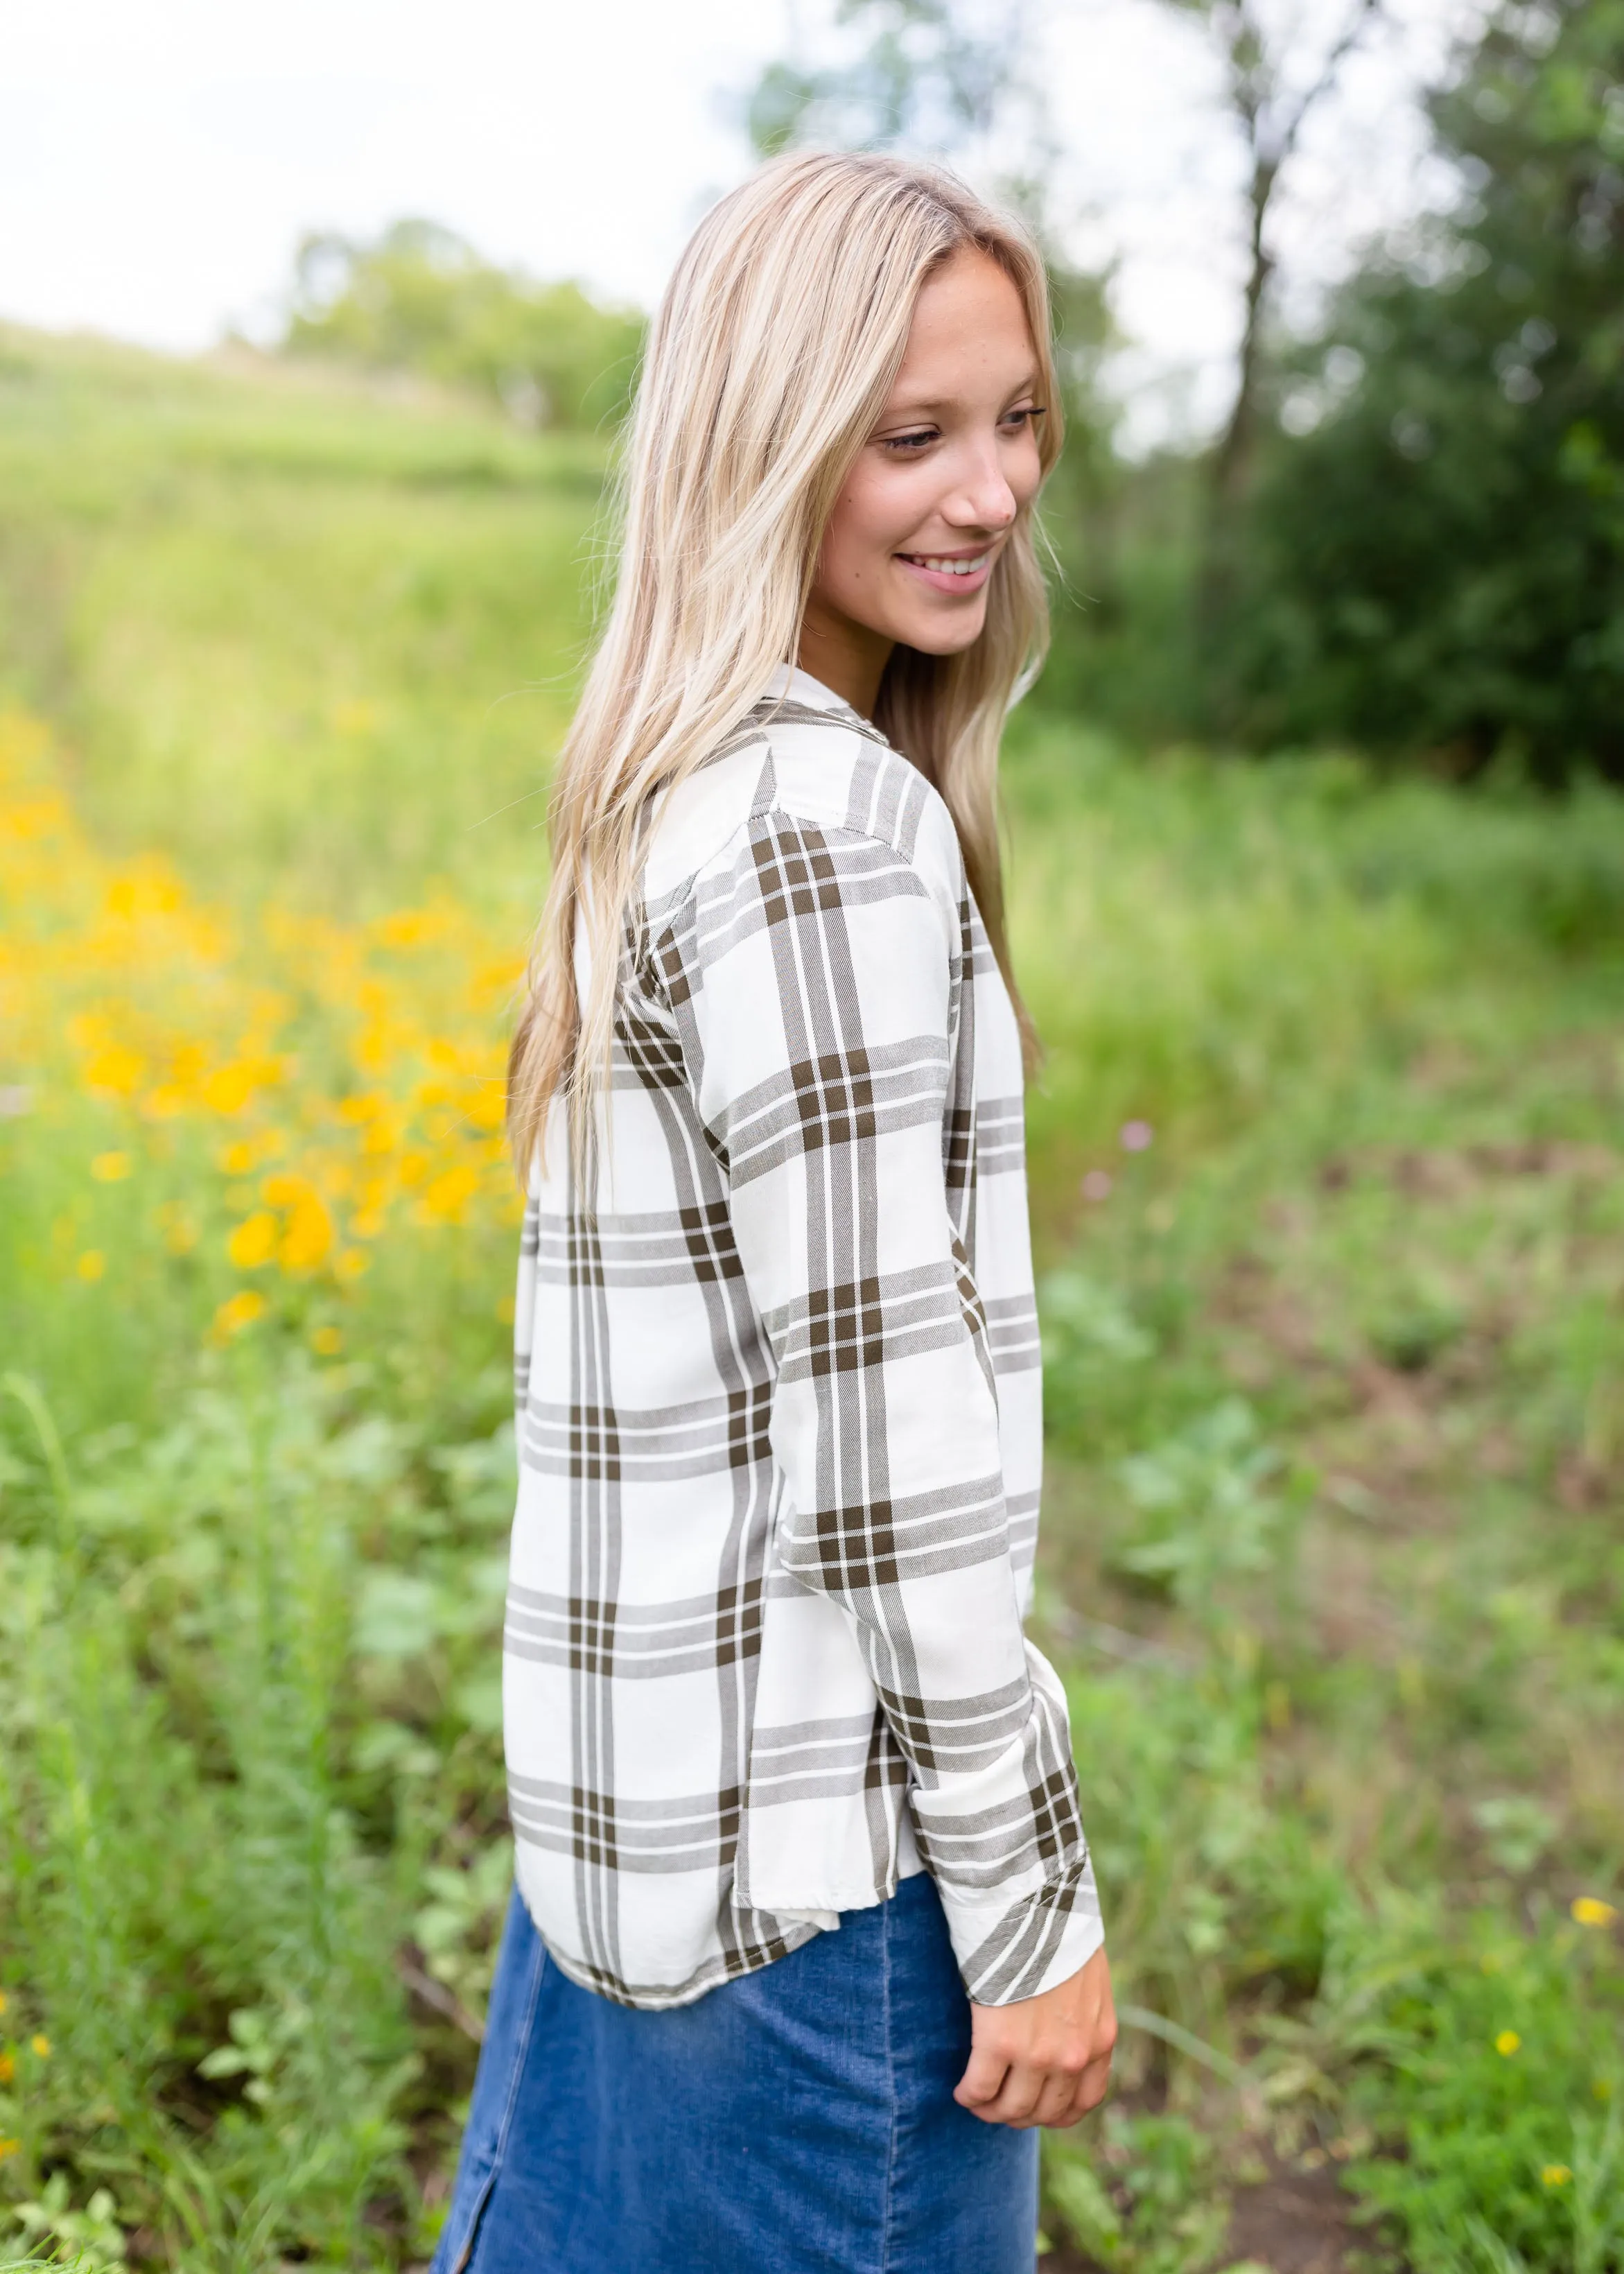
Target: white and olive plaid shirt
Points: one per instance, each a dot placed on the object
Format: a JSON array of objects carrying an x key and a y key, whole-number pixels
[{"x": 779, "y": 1418}]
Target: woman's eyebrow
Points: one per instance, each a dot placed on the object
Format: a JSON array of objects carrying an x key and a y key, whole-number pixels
[{"x": 929, "y": 406}]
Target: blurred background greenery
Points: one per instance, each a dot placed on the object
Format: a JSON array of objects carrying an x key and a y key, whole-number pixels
[{"x": 1318, "y": 866}]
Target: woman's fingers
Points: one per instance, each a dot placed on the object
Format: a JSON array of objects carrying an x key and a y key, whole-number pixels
[
  {"x": 1054, "y": 2101},
  {"x": 1093, "y": 2084},
  {"x": 1020, "y": 2095},
  {"x": 1045, "y": 2059},
  {"x": 1085, "y": 2093},
  {"x": 1017, "y": 2103},
  {"x": 979, "y": 2087},
  {"x": 1057, "y": 2097}
]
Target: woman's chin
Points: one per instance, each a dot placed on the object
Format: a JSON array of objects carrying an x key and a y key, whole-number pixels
[{"x": 948, "y": 633}]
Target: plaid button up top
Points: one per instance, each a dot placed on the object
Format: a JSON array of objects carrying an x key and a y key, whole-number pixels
[{"x": 778, "y": 1392}]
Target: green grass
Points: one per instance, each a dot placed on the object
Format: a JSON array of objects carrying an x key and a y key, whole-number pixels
[
  {"x": 309, "y": 641},
  {"x": 1333, "y": 1558}
]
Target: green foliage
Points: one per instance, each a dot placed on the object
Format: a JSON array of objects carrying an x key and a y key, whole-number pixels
[
  {"x": 1206, "y": 1506},
  {"x": 1128, "y": 539},
  {"x": 1439, "y": 564},
  {"x": 1138, "y": 2198},
  {"x": 1502, "y": 2068},
  {"x": 1482, "y": 2058},
  {"x": 1335, "y": 1366},
  {"x": 366, "y": 619},
  {"x": 1335, "y": 1574},
  {"x": 418, "y": 298},
  {"x": 923, "y": 76},
  {"x": 208, "y": 1879}
]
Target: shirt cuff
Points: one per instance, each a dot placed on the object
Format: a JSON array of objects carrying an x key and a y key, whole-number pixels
[{"x": 1009, "y": 1952}]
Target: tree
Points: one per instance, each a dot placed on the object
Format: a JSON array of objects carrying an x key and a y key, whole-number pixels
[
  {"x": 927, "y": 77},
  {"x": 1438, "y": 563},
  {"x": 1271, "y": 92},
  {"x": 945, "y": 79},
  {"x": 419, "y": 299},
  {"x": 1274, "y": 81}
]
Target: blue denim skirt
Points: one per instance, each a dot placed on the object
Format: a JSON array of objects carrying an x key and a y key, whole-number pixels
[{"x": 799, "y": 2121}]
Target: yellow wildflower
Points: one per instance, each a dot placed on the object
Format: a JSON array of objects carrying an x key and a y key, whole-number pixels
[
  {"x": 326, "y": 1342},
  {"x": 147, "y": 890},
  {"x": 447, "y": 1199},
  {"x": 1508, "y": 2043},
  {"x": 253, "y": 1241},
  {"x": 90, "y": 1265},
  {"x": 413, "y": 927},
  {"x": 362, "y": 1106},
  {"x": 309, "y": 1236},
  {"x": 8, "y": 2069},
  {"x": 240, "y": 1158},
  {"x": 237, "y": 1311},
  {"x": 352, "y": 1263},
  {"x": 9, "y": 2148},
  {"x": 487, "y": 1107},
  {"x": 40, "y": 2044},
  {"x": 228, "y": 1088},
  {"x": 1555, "y": 2175},
  {"x": 115, "y": 1068},
  {"x": 1590, "y": 1910},
  {"x": 110, "y": 1168},
  {"x": 3, "y": 1997}
]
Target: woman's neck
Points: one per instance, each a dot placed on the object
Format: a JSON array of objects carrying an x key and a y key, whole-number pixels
[{"x": 847, "y": 658}]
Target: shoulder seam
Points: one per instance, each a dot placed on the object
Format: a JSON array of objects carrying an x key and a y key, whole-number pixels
[
  {"x": 794, "y": 810},
  {"x": 779, "y": 810}
]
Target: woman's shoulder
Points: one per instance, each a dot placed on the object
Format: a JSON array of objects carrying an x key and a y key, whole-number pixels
[{"x": 804, "y": 757}]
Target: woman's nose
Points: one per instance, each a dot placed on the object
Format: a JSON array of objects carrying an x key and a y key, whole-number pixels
[{"x": 983, "y": 498}]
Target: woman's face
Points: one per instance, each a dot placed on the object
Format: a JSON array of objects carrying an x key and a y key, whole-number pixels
[{"x": 935, "y": 493}]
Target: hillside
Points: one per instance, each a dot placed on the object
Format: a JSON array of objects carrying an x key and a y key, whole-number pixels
[{"x": 1326, "y": 1164}]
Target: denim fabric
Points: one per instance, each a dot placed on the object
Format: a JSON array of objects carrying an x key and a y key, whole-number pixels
[{"x": 799, "y": 2120}]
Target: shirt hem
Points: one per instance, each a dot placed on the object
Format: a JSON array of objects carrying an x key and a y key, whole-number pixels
[{"x": 726, "y": 1965}]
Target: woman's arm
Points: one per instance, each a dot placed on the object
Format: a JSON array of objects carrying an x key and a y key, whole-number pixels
[{"x": 815, "y": 981}]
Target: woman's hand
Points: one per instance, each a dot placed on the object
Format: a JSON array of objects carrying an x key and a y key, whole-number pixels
[{"x": 1044, "y": 2060}]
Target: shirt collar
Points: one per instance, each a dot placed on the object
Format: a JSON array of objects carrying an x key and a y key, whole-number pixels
[{"x": 790, "y": 680}]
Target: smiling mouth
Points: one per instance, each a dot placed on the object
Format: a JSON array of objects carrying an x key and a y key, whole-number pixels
[{"x": 943, "y": 565}]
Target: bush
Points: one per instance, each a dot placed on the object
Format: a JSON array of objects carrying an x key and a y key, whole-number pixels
[
  {"x": 1439, "y": 564},
  {"x": 418, "y": 298}
]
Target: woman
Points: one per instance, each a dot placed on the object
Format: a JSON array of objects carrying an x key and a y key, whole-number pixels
[{"x": 805, "y": 1940}]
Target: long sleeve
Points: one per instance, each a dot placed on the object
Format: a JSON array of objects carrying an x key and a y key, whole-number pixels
[{"x": 817, "y": 981}]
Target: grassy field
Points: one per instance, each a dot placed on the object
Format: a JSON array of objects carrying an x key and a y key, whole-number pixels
[{"x": 1326, "y": 1161}]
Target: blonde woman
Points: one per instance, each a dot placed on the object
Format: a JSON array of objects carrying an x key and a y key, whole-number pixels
[{"x": 805, "y": 1940}]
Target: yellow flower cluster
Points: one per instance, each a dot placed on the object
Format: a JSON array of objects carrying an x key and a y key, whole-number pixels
[
  {"x": 40, "y": 2045},
  {"x": 281, "y": 1091}
]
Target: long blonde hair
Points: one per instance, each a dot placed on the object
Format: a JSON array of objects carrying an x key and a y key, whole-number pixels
[{"x": 767, "y": 366}]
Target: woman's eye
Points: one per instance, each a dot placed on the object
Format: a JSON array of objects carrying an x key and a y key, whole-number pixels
[
  {"x": 1025, "y": 416},
  {"x": 904, "y": 443}
]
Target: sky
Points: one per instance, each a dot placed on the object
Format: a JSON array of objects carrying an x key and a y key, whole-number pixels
[{"x": 158, "y": 164}]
